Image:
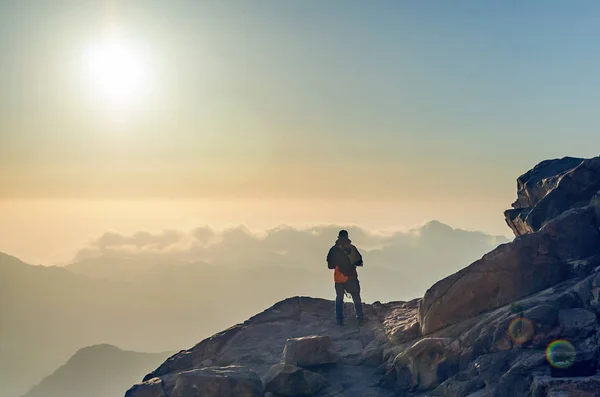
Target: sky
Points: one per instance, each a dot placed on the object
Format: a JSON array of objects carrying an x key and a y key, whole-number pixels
[{"x": 384, "y": 114}]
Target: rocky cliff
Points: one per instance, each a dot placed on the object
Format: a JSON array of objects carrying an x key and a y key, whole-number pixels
[{"x": 521, "y": 321}]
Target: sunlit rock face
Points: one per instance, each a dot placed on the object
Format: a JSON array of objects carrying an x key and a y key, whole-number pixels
[
  {"x": 510, "y": 272},
  {"x": 511, "y": 324},
  {"x": 551, "y": 188},
  {"x": 556, "y": 221}
]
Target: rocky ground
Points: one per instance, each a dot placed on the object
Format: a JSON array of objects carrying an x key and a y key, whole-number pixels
[
  {"x": 354, "y": 367},
  {"x": 489, "y": 330}
]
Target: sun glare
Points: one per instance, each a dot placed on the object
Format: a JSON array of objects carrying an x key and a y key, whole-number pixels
[{"x": 116, "y": 72}]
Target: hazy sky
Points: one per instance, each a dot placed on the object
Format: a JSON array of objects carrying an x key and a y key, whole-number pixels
[{"x": 420, "y": 109}]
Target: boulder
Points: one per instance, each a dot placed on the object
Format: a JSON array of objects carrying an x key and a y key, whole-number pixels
[
  {"x": 150, "y": 388},
  {"x": 372, "y": 357},
  {"x": 551, "y": 188},
  {"x": 574, "y": 235},
  {"x": 400, "y": 320},
  {"x": 233, "y": 381},
  {"x": 506, "y": 274},
  {"x": 486, "y": 370},
  {"x": 546, "y": 386},
  {"x": 289, "y": 380},
  {"x": 577, "y": 322},
  {"x": 595, "y": 292},
  {"x": 516, "y": 381},
  {"x": 595, "y": 204},
  {"x": 309, "y": 351},
  {"x": 542, "y": 317},
  {"x": 583, "y": 290},
  {"x": 588, "y": 290},
  {"x": 532, "y": 328},
  {"x": 459, "y": 388},
  {"x": 577, "y": 318},
  {"x": 418, "y": 367},
  {"x": 533, "y": 185}
]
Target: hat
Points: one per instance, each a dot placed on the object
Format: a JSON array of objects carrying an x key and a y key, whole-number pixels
[{"x": 343, "y": 233}]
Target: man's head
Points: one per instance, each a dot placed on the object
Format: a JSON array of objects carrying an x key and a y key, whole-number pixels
[{"x": 343, "y": 234}]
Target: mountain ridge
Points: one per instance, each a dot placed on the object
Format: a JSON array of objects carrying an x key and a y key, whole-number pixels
[{"x": 79, "y": 375}]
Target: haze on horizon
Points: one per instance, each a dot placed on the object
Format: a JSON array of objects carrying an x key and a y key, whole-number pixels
[
  {"x": 154, "y": 115},
  {"x": 181, "y": 288}
]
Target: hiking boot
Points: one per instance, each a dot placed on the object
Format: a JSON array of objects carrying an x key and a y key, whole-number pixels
[
  {"x": 361, "y": 321},
  {"x": 340, "y": 322}
]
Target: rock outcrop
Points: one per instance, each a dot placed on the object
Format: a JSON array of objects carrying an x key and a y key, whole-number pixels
[
  {"x": 506, "y": 274},
  {"x": 348, "y": 358},
  {"x": 512, "y": 324},
  {"x": 203, "y": 382},
  {"x": 289, "y": 380},
  {"x": 551, "y": 188},
  {"x": 309, "y": 351},
  {"x": 545, "y": 386},
  {"x": 418, "y": 366},
  {"x": 547, "y": 251}
]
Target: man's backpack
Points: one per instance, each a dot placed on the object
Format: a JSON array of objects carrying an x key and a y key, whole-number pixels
[
  {"x": 354, "y": 256},
  {"x": 337, "y": 257}
]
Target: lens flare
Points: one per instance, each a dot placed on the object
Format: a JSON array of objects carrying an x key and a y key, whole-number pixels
[
  {"x": 521, "y": 330},
  {"x": 561, "y": 353}
]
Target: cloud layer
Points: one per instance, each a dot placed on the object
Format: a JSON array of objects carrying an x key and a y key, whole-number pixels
[{"x": 424, "y": 254}]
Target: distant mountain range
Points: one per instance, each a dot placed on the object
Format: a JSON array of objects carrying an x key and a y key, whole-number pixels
[
  {"x": 122, "y": 268},
  {"x": 156, "y": 303},
  {"x": 98, "y": 371}
]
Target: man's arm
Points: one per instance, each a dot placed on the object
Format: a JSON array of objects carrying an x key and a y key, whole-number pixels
[{"x": 359, "y": 262}]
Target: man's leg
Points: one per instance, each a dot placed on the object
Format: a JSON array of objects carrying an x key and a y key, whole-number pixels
[
  {"x": 339, "y": 302},
  {"x": 353, "y": 288}
]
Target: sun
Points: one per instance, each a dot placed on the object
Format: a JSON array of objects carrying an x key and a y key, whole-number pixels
[{"x": 116, "y": 72}]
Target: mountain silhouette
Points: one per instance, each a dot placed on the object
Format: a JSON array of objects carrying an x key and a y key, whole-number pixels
[{"x": 97, "y": 371}]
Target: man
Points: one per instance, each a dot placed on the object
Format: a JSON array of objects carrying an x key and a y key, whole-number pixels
[{"x": 343, "y": 257}]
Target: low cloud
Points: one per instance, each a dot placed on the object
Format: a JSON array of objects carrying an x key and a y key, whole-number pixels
[{"x": 433, "y": 246}]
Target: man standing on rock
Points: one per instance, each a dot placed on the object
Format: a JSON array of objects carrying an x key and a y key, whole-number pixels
[{"x": 343, "y": 257}]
